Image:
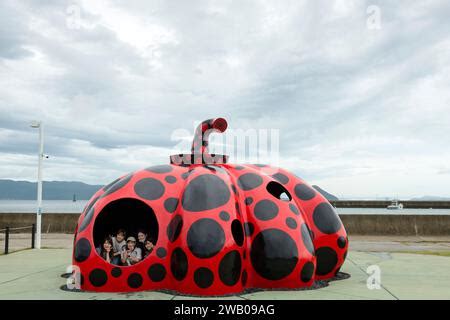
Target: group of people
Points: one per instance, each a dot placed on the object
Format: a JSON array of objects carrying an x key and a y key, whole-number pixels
[{"x": 118, "y": 251}]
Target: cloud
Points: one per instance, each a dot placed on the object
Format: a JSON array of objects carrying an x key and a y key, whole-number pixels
[{"x": 112, "y": 80}]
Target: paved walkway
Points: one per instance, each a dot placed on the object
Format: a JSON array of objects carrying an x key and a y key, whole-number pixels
[{"x": 34, "y": 274}]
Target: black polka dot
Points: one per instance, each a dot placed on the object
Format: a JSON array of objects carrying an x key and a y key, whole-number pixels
[
  {"x": 205, "y": 238},
  {"x": 98, "y": 277},
  {"x": 157, "y": 272},
  {"x": 244, "y": 278},
  {"x": 203, "y": 277},
  {"x": 87, "y": 219},
  {"x": 307, "y": 272},
  {"x": 174, "y": 228},
  {"x": 234, "y": 189},
  {"x": 116, "y": 272},
  {"x": 185, "y": 175},
  {"x": 164, "y": 168},
  {"x": 224, "y": 216},
  {"x": 281, "y": 177},
  {"x": 82, "y": 250},
  {"x": 118, "y": 185},
  {"x": 249, "y": 228},
  {"x": 306, "y": 237},
  {"x": 179, "y": 264},
  {"x": 134, "y": 280},
  {"x": 90, "y": 205},
  {"x": 239, "y": 168},
  {"x": 205, "y": 192},
  {"x": 273, "y": 254},
  {"x": 161, "y": 252},
  {"x": 341, "y": 242},
  {"x": 109, "y": 185},
  {"x": 303, "y": 192},
  {"x": 230, "y": 268},
  {"x": 290, "y": 222},
  {"x": 170, "y": 204},
  {"x": 248, "y": 201},
  {"x": 266, "y": 210},
  {"x": 249, "y": 181},
  {"x": 294, "y": 208},
  {"x": 325, "y": 219},
  {"x": 237, "y": 232},
  {"x": 326, "y": 260},
  {"x": 149, "y": 188},
  {"x": 238, "y": 208},
  {"x": 170, "y": 179},
  {"x": 260, "y": 165}
]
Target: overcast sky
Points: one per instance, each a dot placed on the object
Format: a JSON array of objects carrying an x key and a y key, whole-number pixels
[{"x": 359, "y": 90}]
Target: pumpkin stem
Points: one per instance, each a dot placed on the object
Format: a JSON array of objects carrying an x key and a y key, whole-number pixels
[{"x": 204, "y": 129}]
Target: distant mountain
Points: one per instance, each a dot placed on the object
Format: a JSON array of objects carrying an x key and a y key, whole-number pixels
[
  {"x": 328, "y": 196},
  {"x": 431, "y": 198},
  {"x": 52, "y": 190}
]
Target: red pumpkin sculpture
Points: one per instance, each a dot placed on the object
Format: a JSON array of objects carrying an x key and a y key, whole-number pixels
[{"x": 218, "y": 228}]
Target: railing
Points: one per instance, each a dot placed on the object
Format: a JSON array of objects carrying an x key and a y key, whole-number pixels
[{"x": 8, "y": 231}]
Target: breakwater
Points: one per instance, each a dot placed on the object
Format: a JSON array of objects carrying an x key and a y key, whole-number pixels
[
  {"x": 408, "y": 204},
  {"x": 357, "y": 224}
]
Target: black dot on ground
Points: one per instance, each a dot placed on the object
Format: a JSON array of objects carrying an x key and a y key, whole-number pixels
[
  {"x": 280, "y": 177},
  {"x": 157, "y": 272},
  {"x": 82, "y": 250},
  {"x": 294, "y": 209},
  {"x": 249, "y": 181},
  {"x": 290, "y": 222},
  {"x": 224, "y": 216},
  {"x": 306, "y": 237},
  {"x": 205, "y": 192},
  {"x": 326, "y": 260},
  {"x": 307, "y": 272},
  {"x": 273, "y": 254},
  {"x": 237, "y": 232},
  {"x": 326, "y": 219},
  {"x": 304, "y": 192},
  {"x": 205, "y": 238},
  {"x": 98, "y": 277},
  {"x": 265, "y": 210},
  {"x": 161, "y": 252},
  {"x": 170, "y": 204},
  {"x": 249, "y": 228},
  {"x": 134, "y": 280},
  {"x": 341, "y": 242},
  {"x": 203, "y": 277},
  {"x": 230, "y": 268},
  {"x": 149, "y": 188},
  {"x": 116, "y": 272},
  {"x": 170, "y": 179},
  {"x": 178, "y": 264},
  {"x": 164, "y": 168},
  {"x": 174, "y": 228},
  {"x": 248, "y": 201}
]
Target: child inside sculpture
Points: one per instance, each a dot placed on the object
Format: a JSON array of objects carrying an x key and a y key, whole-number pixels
[
  {"x": 148, "y": 248},
  {"x": 131, "y": 254},
  {"x": 106, "y": 250},
  {"x": 118, "y": 244}
]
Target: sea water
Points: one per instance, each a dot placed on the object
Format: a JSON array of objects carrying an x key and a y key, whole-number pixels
[{"x": 68, "y": 206}]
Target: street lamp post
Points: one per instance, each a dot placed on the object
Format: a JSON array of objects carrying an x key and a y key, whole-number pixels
[{"x": 39, "y": 125}]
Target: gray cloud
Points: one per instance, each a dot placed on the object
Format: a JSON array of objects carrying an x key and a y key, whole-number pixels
[{"x": 357, "y": 109}]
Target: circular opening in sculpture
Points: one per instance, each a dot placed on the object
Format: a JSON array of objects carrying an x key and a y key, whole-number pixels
[{"x": 134, "y": 217}]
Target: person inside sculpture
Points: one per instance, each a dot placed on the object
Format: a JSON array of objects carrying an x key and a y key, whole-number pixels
[
  {"x": 148, "y": 248},
  {"x": 118, "y": 244},
  {"x": 106, "y": 250},
  {"x": 131, "y": 254},
  {"x": 142, "y": 236}
]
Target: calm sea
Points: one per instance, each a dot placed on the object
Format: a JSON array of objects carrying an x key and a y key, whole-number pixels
[{"x": 65, "y": 206}]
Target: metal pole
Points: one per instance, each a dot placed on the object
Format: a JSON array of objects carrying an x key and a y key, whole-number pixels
[
  {"x": 39, "y": 187},
  {"x": 33, "y": 235},
  {"x": 6, "y": 240}
]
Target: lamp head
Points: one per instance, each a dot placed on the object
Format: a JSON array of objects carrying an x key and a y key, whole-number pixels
[{"x": 35, "y": 124}]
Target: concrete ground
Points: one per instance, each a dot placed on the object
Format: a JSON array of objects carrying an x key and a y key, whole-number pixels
[{"x": 411, "y": 268}]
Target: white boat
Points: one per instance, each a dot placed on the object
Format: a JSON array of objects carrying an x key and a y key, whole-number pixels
[{"x": 395, "y": 205}]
